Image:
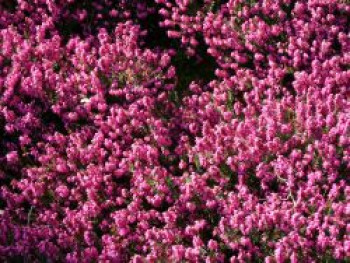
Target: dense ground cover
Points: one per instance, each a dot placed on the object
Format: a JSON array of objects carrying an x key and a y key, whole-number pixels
[{"x": 174, "y": 131}]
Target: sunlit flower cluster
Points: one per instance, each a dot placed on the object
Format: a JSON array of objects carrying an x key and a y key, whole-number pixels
[{"x": 174, "y": 131}]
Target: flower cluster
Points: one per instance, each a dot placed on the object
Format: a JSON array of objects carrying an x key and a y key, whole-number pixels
[{"x": 174, "y": 131}]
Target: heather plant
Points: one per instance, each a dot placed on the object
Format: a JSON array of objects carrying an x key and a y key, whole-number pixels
[{"x": 174, "y": 131}]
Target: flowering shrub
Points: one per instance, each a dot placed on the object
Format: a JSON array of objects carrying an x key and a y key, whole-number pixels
[{"x": 174, "y": 131}]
